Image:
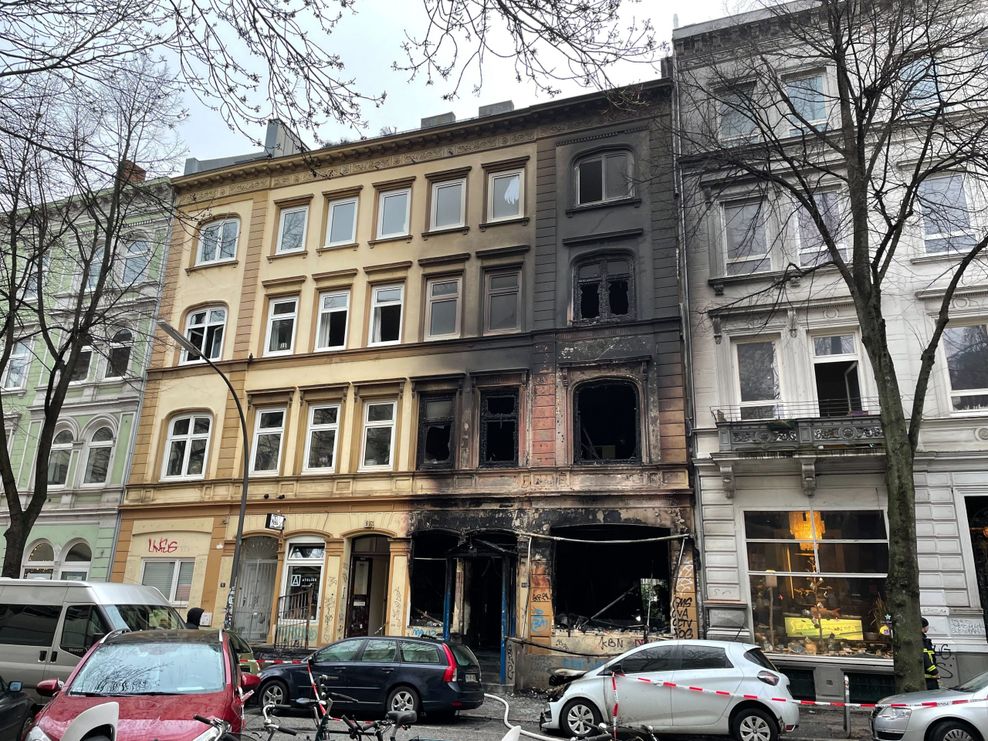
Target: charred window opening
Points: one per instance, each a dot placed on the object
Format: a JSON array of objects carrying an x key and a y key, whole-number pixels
[
  {"x": 436, "y": 426},
  {"x": 428, "y": 578},
  {"x": 611, "y": 586},
  {"x": 499, "y": 428},
  {"x": 603, "y": 289},
  {"x": 606, "y": 422}
]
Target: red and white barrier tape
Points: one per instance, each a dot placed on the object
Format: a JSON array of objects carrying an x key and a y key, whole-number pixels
[
  {"x": 614, "y": 713},
  {"x": 262, "y": 662},
  {"x": 804, "y": 703}
]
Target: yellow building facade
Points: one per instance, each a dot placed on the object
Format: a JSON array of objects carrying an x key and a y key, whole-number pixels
[{"x": 459, "y": 354}]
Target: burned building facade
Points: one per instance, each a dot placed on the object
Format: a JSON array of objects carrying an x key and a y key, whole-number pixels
[{"x": 461, "y": 352}]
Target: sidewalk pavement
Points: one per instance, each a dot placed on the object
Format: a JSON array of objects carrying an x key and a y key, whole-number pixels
[{"x": 815, "y": 724}]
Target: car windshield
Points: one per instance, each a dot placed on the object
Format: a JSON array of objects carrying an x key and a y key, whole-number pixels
[
  {"x": 464, "y": 656},
  {"x": 973, "y": 685},
  {"x": 165, "y": 668},
  {"x": 144, "y": 617}
]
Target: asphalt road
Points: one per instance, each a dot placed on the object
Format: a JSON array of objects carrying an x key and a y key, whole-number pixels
[{"x": 482, "y": 724}]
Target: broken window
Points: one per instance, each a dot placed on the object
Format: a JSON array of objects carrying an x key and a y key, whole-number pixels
[
  {"x": 835, "y": 365},
  {"x": 499, "y": 428},
  {"x": 603, "y": 289},
  {"x": 588, "y": 591},
  {"x": 436, "y": 425},
  {"x": 606, "y": 422},
  {"x": 429, "y": 580}
]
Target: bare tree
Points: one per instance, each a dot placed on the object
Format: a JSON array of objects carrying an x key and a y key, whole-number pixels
[
  {"x": 68, "y": 283},
  {"x": 850, "y": 164},
  {"x": 257, "y": 59}
]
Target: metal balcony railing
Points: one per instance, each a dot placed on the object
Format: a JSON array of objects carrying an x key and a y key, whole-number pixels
[{"x": 800, "y": 426}]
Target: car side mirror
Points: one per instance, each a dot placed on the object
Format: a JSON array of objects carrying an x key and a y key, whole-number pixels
[
  {"x": 14, "y": 687},
  {"x": 613, "y": 669},
  {"x": 249, "y": 681},
  {"x": 49, "y": 687}
]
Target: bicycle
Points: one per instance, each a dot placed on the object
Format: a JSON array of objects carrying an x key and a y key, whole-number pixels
[
  {"x": 641, "y": 733},
  {"x": 270, "y": 725}
]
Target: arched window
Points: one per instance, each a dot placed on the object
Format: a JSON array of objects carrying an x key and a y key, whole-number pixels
[
  {"x": 188, "y": 443},
  {"x": 218, "y": 241},
  {"x": 118, "y": 360},
  {"x": 98, "y": 458},
  {"x": 40, "y": 562},
  {"x": 605, "y": 176},
  {"x": 136, "y": 258},
  {"x": 61, "y": 456},
  {"x": 76, "y": 563},
  {"x": 607, "y": 422},
  {"x": 604, "y": 289},
  {"x": 204, "y": 329}
]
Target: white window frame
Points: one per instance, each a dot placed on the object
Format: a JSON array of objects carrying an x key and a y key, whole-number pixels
[
  {"x": 260, "y": 431},
  {"x": 75, "y": 567},
  {"x": 820, "y": 249},
  {"x": 129, "y": 253},
  {"x": 967, "y": 211},
  {"x": 497, "y": 175},
  {"x": 375, "y": 321},
  {"x": 92, "y": 445},
  {"x": 489, "y": 293},
  {"x": 723, "y": 110},
  {"x": 217, "y": 258},
  {"x": 284, "y": 317},
  {"x": 189, "y": 437},
  {"x": 854, "y": 356},
  {"x": 312, "y": 427},
  {"x": 116, "y": 343},
  {"x": 50, "y": 568},
  {"x": 794, "y": 127},
  {"x": 325, "y": 315},
  {"x": 206, "y": 325},
  {"x": 176, "y": 572},
  {"x": 776, "y": 403},
  {"x": 603, "y": 157},
  {"x": 368, "y": 425},
  {"x": 433, "y": 216},
  {"x": 951, "y": 393},
  {"x": 298, "y": 561},
  {"x": 20, "y": 358},
  {"x": 279, "y": 250},
  {"x": 430, "y": 300},
  {"x": 382, "y": 197},
  {"x": 57, "y": 447},
  {"x": 761, "y": 258},
  {"x": 331, "y": 211},
  {"x": 88, "y": 352}
]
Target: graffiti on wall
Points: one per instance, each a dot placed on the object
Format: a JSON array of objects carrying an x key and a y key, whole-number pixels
[
  {"x": 540, "y": 615},
  {"x": 684, "y": 619},
  {"x": 162, "y": 545}
]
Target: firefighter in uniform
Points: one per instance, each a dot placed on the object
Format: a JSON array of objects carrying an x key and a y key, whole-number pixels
[{"x": 930, "y": 670}]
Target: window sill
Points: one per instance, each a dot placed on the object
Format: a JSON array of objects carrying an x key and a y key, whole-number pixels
[
  {"x": 596, "y": 322},
  {"x": 947, "y": 256},
  {"x": 462, "y": 229},
  {"x": 334, "y": 247},
  {"x": 719, "y": 283},
  {"x": 278, "y": 353},
  {"x": 383, "y": 240},
  {"x": 504, "y": 222},
  {"x": 496, "y": 332},
  {"x": 293, "y": 253},
  {"x": 335, "y": 348},
  {"x": 207, "y": 265},
  {"x": 630, "y": 201},
  {"x": 386, "y": 343}
]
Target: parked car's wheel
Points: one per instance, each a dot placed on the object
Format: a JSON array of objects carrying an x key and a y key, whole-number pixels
[
  {"x": 952, "y": 730},
  {"x": 273, "y": 692},
  {"x": 403, "y": 699},
  {"x": 754, "y": 724},
  {"x": 579, "y": 718}
]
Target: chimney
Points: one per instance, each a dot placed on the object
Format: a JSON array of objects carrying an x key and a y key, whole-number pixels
[
  {"x": 505, "y": 106},
  {"x": 130, "y": 172},
  {"x": 442, "y": 119}
]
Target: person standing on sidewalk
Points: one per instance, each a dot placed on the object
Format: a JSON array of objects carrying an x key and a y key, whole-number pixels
[{"x": 929, "y": 660}]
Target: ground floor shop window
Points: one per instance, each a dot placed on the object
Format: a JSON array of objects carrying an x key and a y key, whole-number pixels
[
  {"x": 172, "y": 578},
  {"x": 302, "y": 579},
  {"x": 818, "y": 581}
]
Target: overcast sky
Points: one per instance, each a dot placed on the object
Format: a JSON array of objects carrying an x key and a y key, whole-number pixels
[{"x": 369, "y": 41}]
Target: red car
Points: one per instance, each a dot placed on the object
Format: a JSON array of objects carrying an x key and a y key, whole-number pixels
[{"x": 160, "y": 679}]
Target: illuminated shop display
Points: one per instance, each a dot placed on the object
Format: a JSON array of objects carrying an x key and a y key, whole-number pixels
[{"x": 818, "y": 581}]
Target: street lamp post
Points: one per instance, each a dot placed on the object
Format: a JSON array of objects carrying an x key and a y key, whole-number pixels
[{"x": 184, "y": 343}]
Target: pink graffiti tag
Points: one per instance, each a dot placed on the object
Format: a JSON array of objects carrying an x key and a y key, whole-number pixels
[{"x": 162, "y": 545}]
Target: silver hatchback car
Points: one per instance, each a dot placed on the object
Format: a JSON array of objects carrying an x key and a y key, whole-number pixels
[
  {"x": 746, "y": 697},
  {"x": 947, "y": 721}
]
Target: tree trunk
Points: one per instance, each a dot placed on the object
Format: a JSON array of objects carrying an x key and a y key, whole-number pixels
[
  {"x": 902, "y": 585},
  {"x": 16, "y": 537}
]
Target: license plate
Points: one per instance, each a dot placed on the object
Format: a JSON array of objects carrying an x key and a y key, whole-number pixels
[{"x": 473, "y": 677}]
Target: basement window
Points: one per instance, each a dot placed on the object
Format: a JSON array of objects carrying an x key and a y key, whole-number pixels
[
  {"x": 436, "y": 424},
  {"x": 606, "y": 422},
  {"x": 499, "y": 428},
  {"x": 588, "y": 592},
  {"x": 835, "y": 366},
  {"x": 603, "y": 289}
]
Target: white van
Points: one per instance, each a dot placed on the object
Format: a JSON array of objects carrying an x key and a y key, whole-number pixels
[{"x": 47, "y": 626}]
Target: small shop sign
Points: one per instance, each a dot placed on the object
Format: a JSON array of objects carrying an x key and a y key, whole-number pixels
[{"x": 274, "y": 521}]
